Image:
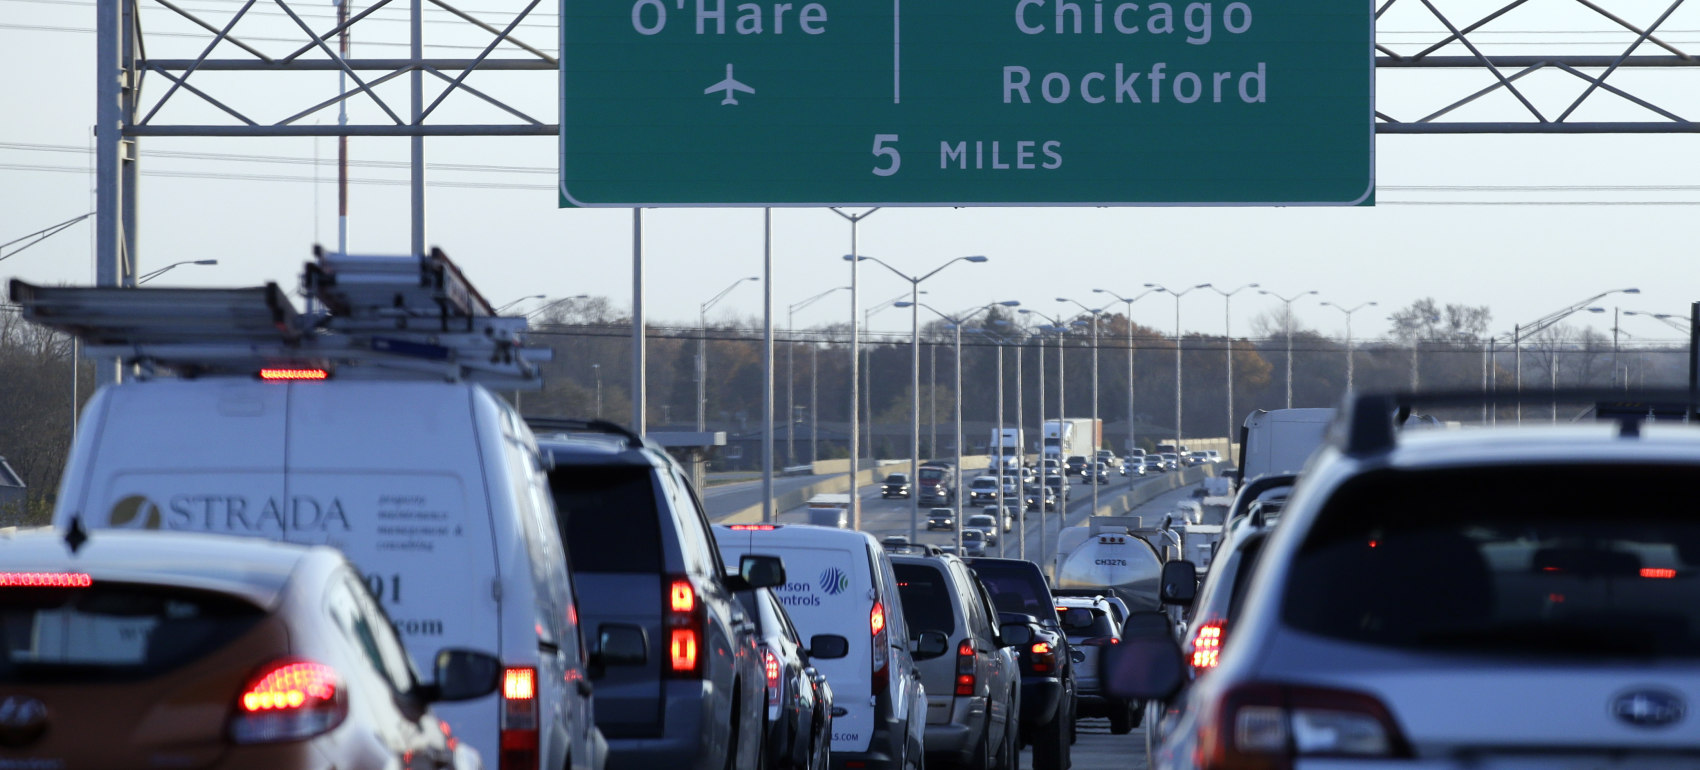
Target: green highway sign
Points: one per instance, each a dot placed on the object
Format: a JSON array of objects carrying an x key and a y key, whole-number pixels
[{"x": 966, "y": 103}]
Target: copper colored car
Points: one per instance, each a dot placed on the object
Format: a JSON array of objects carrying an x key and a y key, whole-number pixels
[{"x": 153, "y": 649}]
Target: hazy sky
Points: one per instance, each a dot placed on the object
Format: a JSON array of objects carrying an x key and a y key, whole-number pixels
[{"x": 1524, "y": 256}]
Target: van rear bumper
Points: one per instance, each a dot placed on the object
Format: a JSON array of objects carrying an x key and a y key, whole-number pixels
[
  {"x": 686, "y": 736},
  {"x": 885, "y": 748}
]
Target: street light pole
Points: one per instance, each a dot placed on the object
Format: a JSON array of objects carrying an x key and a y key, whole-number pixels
[
  {"x": 1177, "y": 295},
  {"x": 1228, "y": 345},
  {"x": 597, "y": 369},
  {"x": 855, "y": 385},
  {"x": 1540, "y": 324},
  {"x": 957, "y": 322},
  {"x": 162, "y": 271},
  {"x": 1351, "y": 353},
  {"x": 1092, "y": 458},
  {"x": 915, "y": 378},
  {"x": 1287, "y": 323},
  {"x": 702, "y": 352},
  {"x": 1132, "y": 432},
  {"x": 791, "y": 371}
]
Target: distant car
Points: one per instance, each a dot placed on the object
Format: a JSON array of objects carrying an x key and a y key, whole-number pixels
[
  {"x": 1198, "y": 458},
  {"x": 983, "y": 489},
  {"x": 1076, "y": 464},
  {"x": 1040, "y": 497},
  {"x": 941, "y": 518},
  {"x": 1133, "y": 466},
  {"x": 1050, "y": 467},
  {"x": 1011, "y": 513},
  {"x": 1060, "y": 485},
  {"x": 1171, "y": 461},
  {"x": 143, "y": 647},
  {"x": 1109, "y": 458},
  {"x": 1090, "y": 624},
  {"x": 895, "y": 541},
  {"x": 988, "y": 525},
  {"x": 1098, "y": 473},
  {"x": 895, "y": 485},
  {"x": 974, "y": 542},
  {"x": 1155, "y": 464}
]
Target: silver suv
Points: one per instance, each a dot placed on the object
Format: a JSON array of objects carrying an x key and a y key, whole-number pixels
[
  {"x": 1460, "y": 598},
  {"x": 973, "y": 681}
]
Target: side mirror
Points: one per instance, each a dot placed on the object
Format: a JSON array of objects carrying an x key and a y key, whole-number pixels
[
  {"x": 1016, "y": 634},
  {"x": 618, "y": 644},
  {"x": 757, "y": 572},
  {"x": 930, "y": 644},
  {"x": 464, "y": 675},
  {"x": 828, "y": 646},
  {"x": 1145, "y": 667},
  {"x": 1180, "y": 582}
]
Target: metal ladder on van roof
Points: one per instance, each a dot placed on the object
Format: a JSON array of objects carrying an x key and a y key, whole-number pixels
[{"x": 370, "y": 318}]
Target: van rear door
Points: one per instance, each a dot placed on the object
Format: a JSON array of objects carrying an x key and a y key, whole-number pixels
[
  {"x": 829, "y": 590},
  {"x": 406, "y": 499}
]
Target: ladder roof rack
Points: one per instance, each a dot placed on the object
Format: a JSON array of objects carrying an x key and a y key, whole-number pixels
[{"x": 378, "y": 317}]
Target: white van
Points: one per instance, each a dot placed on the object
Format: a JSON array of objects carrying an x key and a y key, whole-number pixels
[
  {"x": 840, "y": 582},
  {"x": 1281, "y": 440},
  {"x": 359, "y": 426},
  {"x": 433, "y": 490}
]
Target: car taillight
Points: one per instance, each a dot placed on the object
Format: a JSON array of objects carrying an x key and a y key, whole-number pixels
[
  {"x": 1044, "y": 658},
  {"x": 519, "y": 719},
  {"x": 770, "y": 667},
  {"x": 289, "y": 700},
  {"x": 882, "y": 652},
  {"x": 1098, "y": 641},
  {"x": 1271, "y": 726},
  {"x": 965, "y": 668},
  {"x": 1207, "y": 647},
  {"x": 684, "y": 630},
  {"x": 45, "y": 580}
]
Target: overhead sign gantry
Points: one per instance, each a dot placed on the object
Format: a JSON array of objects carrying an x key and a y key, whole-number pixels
[{"x": 965, "y": 102}]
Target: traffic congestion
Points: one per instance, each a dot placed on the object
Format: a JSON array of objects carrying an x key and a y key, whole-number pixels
[{"x": 324, "y": 538}]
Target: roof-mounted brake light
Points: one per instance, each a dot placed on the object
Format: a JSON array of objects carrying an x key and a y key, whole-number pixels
[
  {"x": 45, "y": 580},
  {"x": 271, "y": 374}
]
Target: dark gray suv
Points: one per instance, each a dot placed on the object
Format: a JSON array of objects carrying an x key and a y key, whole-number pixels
[{"x": 643, "y": 553}]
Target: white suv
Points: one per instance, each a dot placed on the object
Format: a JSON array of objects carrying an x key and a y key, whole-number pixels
[{"x": 1460, "y": 598}]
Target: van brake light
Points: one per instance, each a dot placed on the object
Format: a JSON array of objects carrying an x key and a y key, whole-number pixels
[
  {"x": 280, "y": 374},
  {"x": 45, "y": 580},
  {"x": 519, "y": 732}
]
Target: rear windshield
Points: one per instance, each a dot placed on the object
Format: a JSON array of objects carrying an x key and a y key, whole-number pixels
[
  {"x": 1017, "y": 587},
  {"x": 1087, "y": 622},
  {"x": 112, "y": 632},
  {"x": 1521, "y": 561},
  {"x": 926, "y": 598},
  {"x": 608, "y": 517}
]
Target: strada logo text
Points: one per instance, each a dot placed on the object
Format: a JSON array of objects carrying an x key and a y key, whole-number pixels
[{"x": 231, "y": 514}]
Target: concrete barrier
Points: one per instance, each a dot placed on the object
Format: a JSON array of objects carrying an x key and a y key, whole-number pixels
[{"x": 1124, "y": 503}]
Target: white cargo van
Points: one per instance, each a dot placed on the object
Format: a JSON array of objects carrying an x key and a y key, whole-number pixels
[
  {"x": 1281, "y": 440},
  {"x": 434, "y": 489},
  {"x": 840, "y": 582}
]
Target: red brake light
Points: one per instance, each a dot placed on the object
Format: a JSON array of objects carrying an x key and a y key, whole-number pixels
[
  {"x": 876, "y": 618},
  {"x": 288, "y": 700},
  {"x": 45, "y": 580},
  {"x": 519, "y": 737},
  {"x": 770, "y": 667},
  {"x": 684, "y": 629},
  {"x": 1044, "y": 657},
  {"x": 754, "y": 527},
  {"x": 1646, "y": 572},
  {"x": 1207, "y": 646},
  {"x": 882, "y": 653},
  {"x": 965, "y": 663},
  {"x": 279, "y": 375}
]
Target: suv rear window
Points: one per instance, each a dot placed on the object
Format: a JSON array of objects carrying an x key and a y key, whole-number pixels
[
  {"x": 1514, "y": 561},
  {"x": 1092, "y": 624},
  {"x": 1016, "y": 587},
  {"x": 926, "y": 598},
  {"x": 608, "y": 517},
  {"x": 112, "y": 631}
]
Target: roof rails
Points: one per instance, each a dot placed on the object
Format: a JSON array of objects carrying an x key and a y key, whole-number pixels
[
  {"x": 541, "y": 424},
  {"x": 379, "y": 317},
  {"x": 1368, "y": 424}
]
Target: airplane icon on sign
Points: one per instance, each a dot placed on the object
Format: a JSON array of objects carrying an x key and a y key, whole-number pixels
[{"x": 730, "y": 86}]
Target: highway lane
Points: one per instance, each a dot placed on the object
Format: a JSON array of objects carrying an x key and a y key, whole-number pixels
[{"x": 882, "y": 517}]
